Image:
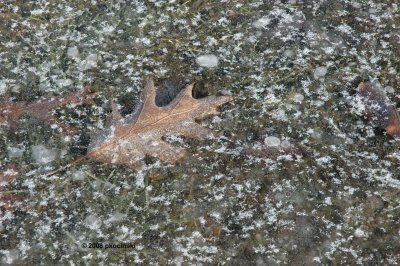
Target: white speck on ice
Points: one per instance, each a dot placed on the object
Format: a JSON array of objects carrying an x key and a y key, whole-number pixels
[
  {"x": 288, "y": 53},
  {"x": 238, "y": 36},
  {"x": 389, "y": 89},
  {"x": 328, "y": 201},
  {"x": 90, "y": 62},
  {"x": 10, "y": 172},
  {"x": 139, "y": 179},
  {"x": 298, "y": 97},
  {"x": 245, "y": 214},
  {"x": 9, "y": 256},
  {"x": 73, "y": 52},
  {"x": 207, "y": 60},
  {"x": 116, "y": 217},
  {"x": 324, "y": 160},
  {"x": 64, "y": 82},
  {"x": 372, "y": 10},
  {"x": 285, "y": 144},
  {"x": 43, "y": 155},
  {"x": 360, "y": 233},
  {"x": 108, "y": 29},
  {"x": 345, "y": 29},
  {"x": 211, "y": 41},
  {"x": 217, "y": 177},
  {"x": 317, "y": 259},
  {"x": 37, "y": 12},
  {"x": 320, "y": 72},
  {"x": 202, "y": 220},
  {"x": 93, "y": 222},
  {"x": 3, "y": 86},
  {"x": 14, "y": 152},
  {"x": 279, "y": 114},
  {"x": 261, "y": 23},
  {"x": 272, "y": 141},
  {"x": 79, "y": 175}
]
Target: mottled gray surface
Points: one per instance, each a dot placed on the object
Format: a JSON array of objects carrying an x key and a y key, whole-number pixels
[{"x": 293, "y": 66}]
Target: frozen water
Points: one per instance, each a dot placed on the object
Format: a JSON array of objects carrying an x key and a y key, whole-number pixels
[
  {"x": 64, "y": 82},
  {"x": 285, "y": 144},
  {"x": 320, "y": 72},
  {"x": 272, "y": 141},
  {"x": 79, "y": 175},
  {"x": 3, "y": 86},
  {"x": 73, "y": 52},
  {"x": 93, "y": 222},
  {"x": 298, "y": 97},
  {"x": 261, "y": 23},
  {"x": 89, "y": 62},
  {"x": 42, "y": 155},
  {"x": 15, "y": 152},
  {"x": 207, "y": 60},
  {"x": 273, "y": 57},
  {"x": 390, "y": 89}
]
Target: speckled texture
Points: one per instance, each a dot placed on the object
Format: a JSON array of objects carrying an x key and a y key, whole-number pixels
[{"x": 293, "y": 67}]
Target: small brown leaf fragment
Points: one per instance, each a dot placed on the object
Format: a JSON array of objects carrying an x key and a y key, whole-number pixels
[
  {"x": 129, "y": 143},
  {"x": 42, "y": 109},
  {"x": 379, "y": 109}
]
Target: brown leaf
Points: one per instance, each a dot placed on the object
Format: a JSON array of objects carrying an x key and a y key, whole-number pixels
[
  {"x": 379, "y": 109},
  {"x": 129, "y": 143},
  {"x": 42, "y": 109}
]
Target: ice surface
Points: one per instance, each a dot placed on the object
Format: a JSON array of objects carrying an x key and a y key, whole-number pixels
[
  {"x": 3, "y": 86},
  {"x": 15, "y": 152},
  {"x": 43, "y": 155},
  {"x": 320, "y": 72},
  {"x": 89, "y": 62},
  {"x": 292, "y": 67},
  {"x": 73, "y": 52},
  {"x": 272, "y": 141},
  {"x": 207, "y": 60}
]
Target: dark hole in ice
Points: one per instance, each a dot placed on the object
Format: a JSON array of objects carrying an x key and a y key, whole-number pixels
[
  {"x": 169, "y": 89},
  {"x": 199, "y": 90}
]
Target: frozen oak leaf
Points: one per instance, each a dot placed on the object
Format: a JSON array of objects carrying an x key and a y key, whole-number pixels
[{"x": 128, "y": 144}]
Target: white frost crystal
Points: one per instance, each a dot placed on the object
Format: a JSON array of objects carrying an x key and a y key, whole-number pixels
[
  {"x": 79, "y": 175},
  {"x": 3, "y": 86},
  {"x": 207, "y": 60},
  {"x": 298, "y": 97},
  {"x": 285, "y": 144},
  {"x": 64, "y": 82},
  {"x": 261, "y": 23},
  {"x": 73, "y": 52},
  {"x": 43, "y": 155},
  {"x": 360, "y": 233},
  {"x": 320, "y": 72},
  {"x": 288, "y": 53},
  {"x": 390, "y": 89},
  {"x": 14, "y": 152},
  {"x": 271, "y": 141},
  {"x": 89, "y": 62},
  {"x": 92, "y": 221}
]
